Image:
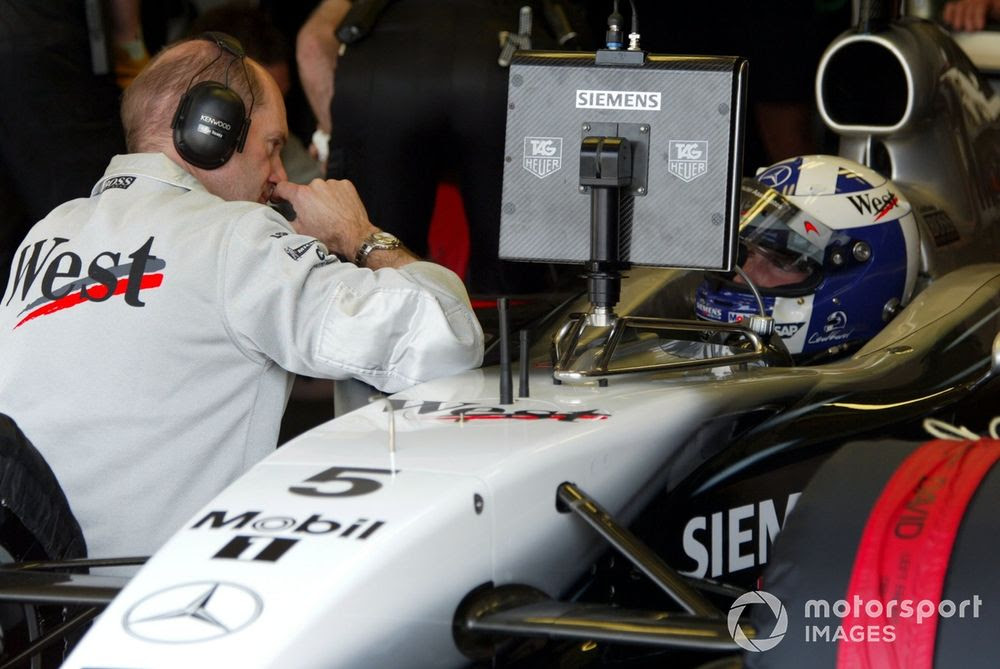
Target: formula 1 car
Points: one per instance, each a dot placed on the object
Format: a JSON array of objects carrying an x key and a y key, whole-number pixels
[{"x": 454, "y": 524}]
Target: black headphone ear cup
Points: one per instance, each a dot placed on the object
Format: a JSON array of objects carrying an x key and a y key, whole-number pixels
[{"x": 209, "y": 125}]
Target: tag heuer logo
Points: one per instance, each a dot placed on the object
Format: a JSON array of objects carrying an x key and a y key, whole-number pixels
[
  {"x": 542, "y": 155},
  {"x": 688, "y": 159}
]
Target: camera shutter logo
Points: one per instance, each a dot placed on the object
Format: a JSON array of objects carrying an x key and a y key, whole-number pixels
[
  {"x": 760, "y": 643},
  {"x": 542, "y": 155},
  {"x": 688, "y": 159}
]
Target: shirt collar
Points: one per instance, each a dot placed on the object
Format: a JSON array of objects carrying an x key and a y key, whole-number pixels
[{"x": 156, "y": 166}]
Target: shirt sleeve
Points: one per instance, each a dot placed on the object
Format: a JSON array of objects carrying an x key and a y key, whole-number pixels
[{"x": 285, "y": 299}]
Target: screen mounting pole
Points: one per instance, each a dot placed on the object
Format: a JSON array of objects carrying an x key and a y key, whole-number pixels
[{"x": 605, "y": 168}]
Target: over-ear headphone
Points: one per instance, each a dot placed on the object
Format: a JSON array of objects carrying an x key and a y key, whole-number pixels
[{"x": 211, "y": 121}]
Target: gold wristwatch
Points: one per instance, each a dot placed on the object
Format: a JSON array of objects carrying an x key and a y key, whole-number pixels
[{"x": 377, "y": 241}]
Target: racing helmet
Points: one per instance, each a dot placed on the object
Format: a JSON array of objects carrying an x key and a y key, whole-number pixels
[{"x": 840, "y": 250}]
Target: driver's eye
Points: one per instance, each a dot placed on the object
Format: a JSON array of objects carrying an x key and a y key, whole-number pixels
[{"x": 778, "y": 260}]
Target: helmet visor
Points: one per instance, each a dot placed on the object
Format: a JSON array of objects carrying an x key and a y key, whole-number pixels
[{"x": 780, "y": 231}]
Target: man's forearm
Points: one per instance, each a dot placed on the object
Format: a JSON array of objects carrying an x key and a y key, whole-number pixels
[{"x": 316, "y": 50}]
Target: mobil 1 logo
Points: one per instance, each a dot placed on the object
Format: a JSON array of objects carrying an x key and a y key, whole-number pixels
[
  {"x": 261, "y": 537},
  {"x": 267, "y": 538}
]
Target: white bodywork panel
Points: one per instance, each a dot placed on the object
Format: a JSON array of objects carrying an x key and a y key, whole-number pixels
[{"x": 281, "y": 569}]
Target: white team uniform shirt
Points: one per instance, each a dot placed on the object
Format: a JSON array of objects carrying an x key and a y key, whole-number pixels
[{"x": 148, "y": 334}]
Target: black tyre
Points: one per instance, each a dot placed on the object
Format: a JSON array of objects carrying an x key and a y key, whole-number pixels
[{"x": 36, "y": 524}]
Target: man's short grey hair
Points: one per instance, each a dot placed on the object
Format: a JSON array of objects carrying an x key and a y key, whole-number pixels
[{"x": 149, "y": 103}]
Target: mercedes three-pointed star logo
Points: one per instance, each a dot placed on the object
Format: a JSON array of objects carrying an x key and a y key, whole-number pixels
[{"x": 193, "y": 612}]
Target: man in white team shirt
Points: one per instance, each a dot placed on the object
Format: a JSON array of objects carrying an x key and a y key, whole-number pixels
[{"x": 150, "y": 333}]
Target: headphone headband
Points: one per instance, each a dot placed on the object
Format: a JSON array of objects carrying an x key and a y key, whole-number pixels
[{"x": 225, "y": 42}]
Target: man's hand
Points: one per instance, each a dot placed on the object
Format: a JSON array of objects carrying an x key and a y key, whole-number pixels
[
  {"x": 331, "y": 211},
  {"x": 970, "y": 15}
]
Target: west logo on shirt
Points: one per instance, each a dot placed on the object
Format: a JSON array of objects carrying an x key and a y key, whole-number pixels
[{"x": 106, "y": 277}]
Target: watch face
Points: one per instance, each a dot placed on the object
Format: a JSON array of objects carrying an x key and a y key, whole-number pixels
[
  {"x": 383, "y": 241},
  {"x": 380, "y": 238}
]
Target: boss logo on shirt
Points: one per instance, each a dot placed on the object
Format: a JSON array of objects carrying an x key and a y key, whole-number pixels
[
  {"x": 117, "y": 182},
  {"x": 64, "y": 283}
]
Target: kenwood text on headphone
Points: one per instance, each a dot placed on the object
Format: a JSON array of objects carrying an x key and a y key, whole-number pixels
[{"x": 211, "y": 121}]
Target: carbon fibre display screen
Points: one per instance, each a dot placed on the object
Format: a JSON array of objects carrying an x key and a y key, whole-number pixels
[{"x": 683, "y": 117}]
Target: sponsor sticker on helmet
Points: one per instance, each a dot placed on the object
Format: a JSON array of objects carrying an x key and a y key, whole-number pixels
[
  {"x": 835, "y": 321},
  {"x": 786, "y": 330},
  {"x": 776, "y": 176}
]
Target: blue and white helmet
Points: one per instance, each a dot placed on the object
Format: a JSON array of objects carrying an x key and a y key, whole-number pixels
[{"x": 845, "y": 233}]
